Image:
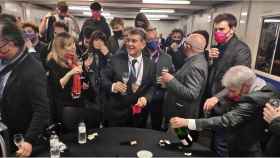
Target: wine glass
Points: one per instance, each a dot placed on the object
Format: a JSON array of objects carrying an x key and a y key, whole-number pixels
[
  {"x": 18, "y": 139},
  {"x": 125, "y": 78}
]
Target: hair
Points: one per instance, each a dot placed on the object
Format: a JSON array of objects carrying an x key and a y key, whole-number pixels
[
  {"x": 33, "y": 26},
  {"x": 116, "y": 21},
  {"x": 128, "y": 28},
  {"x": 177, "y": 31},
  {"x": 8, "y": 18},
  {"x": 232, "y": 22},
  {"x": 87, "y": 31},
  {"x": 60, "y": 42},
  {"x": 238, "y": 76},
  {"x": 95, "y": 6},
  {"x": 62, "y": 6},
  {"x": 138, "y": 31},
  {"x": 10, "y": 31},
  {"x": 141, "y": 21},
  {"x": 61, "y": 25},
  {"x": 205, "y": 34},
  {"x": 95, "y": 36}
]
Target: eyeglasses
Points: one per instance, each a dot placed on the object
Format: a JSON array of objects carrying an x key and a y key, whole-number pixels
[{"x": 5, "y": 43}]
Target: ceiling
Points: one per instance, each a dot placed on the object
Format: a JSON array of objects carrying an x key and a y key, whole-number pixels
[{"x": 128, "y": 9}]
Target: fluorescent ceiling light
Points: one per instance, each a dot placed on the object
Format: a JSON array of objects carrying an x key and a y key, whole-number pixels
[
  {"x": 271, "y": 20},
  {"x": 157, "y": 10},
  {"x": 157, "y": 16},
  {"x": 153, "y": 19},
  {"x": 244, "y": 14},
  {"x": 104, "y": 14},
  {"x": 83, "y": 8},
  {"x": 167, "y": 1}
]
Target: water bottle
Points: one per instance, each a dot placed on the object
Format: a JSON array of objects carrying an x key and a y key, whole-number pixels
[
  {"x": 82, "y": 138},
  {"x": 54, "y": 146}
]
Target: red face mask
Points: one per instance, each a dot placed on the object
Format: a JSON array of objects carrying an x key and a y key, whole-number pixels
[
  {"x": 235, "y": 98},
  {"x": 96, "y": 15},
  {"x": 220, "y": 37}
]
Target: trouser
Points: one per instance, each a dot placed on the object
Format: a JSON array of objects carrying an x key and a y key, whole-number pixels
[{"x": 219, "y": 143}]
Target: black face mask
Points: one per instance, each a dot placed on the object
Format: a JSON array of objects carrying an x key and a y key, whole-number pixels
[
  {"x": 61, "y": 17},
  {"x": 118, "y": 34}
]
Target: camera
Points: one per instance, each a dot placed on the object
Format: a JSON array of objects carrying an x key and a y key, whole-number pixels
[{"x": 274, "y": 102}]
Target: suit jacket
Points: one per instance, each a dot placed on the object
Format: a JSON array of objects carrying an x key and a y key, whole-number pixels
[
  {"x": 25, "y": 104},
  {"x": 272, "y": 147},
  {"x": 184, "y": 92},
  {"x": 235, "y": 52},
  {"x": 118, "y": 106},
  {"x": 113, "y": 44},
  {"x": 243, "y": 123}
]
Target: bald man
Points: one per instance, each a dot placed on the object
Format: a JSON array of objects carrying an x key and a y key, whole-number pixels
[{"x": 186, "y": 87}]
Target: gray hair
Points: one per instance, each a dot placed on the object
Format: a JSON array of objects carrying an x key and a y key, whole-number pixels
[
  {"x": 197, "y": 41},
  {"x": 237, "y": 76}
]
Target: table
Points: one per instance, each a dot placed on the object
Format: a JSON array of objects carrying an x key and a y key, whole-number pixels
[{"x": 107, "y": 144}]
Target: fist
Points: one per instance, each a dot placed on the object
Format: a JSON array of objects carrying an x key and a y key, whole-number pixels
[{"x": 214, "y": 53}]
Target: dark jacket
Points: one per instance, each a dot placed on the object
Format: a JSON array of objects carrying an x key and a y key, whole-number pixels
[
  {"x": 96, "y": 25},
  {"x": 272, "y": 147},
  {"x": 184, "y": 92},
  {"x": 243, "y": 123},
  {"x": 113, "y": 44},
  {"x": 25, "y": 104},
  {"x": 42, "y": 52},
  {"x": 118, "y": 106},
  {"x": 235, "y": 52}
]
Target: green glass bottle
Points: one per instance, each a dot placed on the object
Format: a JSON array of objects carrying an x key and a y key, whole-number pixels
[{"x": 184, "y": 136}]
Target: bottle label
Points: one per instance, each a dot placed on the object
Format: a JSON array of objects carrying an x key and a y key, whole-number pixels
[
  {"x": 190, "y": 138},
  {"x": 184, "y": 142},
  {"x": 82, "y": 129}
]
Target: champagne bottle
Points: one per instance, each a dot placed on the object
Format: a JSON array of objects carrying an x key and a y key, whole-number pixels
[{"x": 184, "y": 136}]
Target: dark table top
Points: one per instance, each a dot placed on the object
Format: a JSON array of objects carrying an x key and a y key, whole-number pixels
[{"x": 107, "y": 144}]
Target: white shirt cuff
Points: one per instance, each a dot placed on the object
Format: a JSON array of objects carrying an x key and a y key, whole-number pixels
[
  {"x": 191, "y": 124},
  {"x": 31, "y": 50},
  {"x": 112, "y": 88}
]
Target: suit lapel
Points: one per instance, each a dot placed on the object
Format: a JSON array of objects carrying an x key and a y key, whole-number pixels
[{"x": 10, "y": 80}]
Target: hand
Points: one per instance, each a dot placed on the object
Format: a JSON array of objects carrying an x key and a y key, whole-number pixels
[
  {"x": 210, "y": 103},
  {"x": 165, "y": 77},
  {"x": 270, "y": 113},
  {"x": 174, "y": 45},
  {"x": 76, "y": 70},
  {"x": 25, "y": 150},
  {"x": 142, "y": 102},
  {"x": 85, "y": 86},
  {"x": 177, "y": 122},
  {"x": 214, "y": 53},
  {"x": 28, "y": 44},
  {"x": 119, "y": 87},
  {"x": 104, "y": 50}
]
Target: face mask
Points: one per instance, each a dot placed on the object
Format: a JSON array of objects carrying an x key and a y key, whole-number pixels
[
  {"x": 3, "y": 55},
  {"x": 96, "y": 15},
  {"x": 220, "y": 37},
  {"x": 30, "y": 36},
  {"x": 152, "y": 45},
  {"x": 118, "y": 34}
]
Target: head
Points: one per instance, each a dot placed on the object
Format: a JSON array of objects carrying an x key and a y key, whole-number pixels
[
  {"x": 177, "y": 35},
  {"x": 224, "y": 27},
  {"x": 142, "y": 21},
  {"x": 96, "y": 8},
  {"x": 136, "y": 42},
  {"x": 30, "y": 31},
  {"x": 238, "y": 80},
  {"x": 125, "y": 34},
  {"x": 195, "y": 43},
  {"x": 63, "y": 43},
  {"x": 205, "y": 34},
  {"x": 10, "y": 18},
  {"x": 11, "y": 40},
  {"x": 59, "y": 27},
  {"x": 97, "y": 40},
  {"x": 117, "y": 26},
  {"x": 87, "y": 34},
  {"x": 152, "y": 39},
  {"x": 62, "y": 8}
]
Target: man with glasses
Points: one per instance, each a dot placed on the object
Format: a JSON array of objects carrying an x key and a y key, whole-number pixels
[
  {"x": 24, "y": 102},
  {"x": 186, "y": 87}
]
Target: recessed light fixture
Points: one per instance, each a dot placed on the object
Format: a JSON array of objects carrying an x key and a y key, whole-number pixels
[
  {"x": 167, "y": 1},
  {"x": 156, "y": 16},
  {"x": 104, "y": 14},
  {"x": 83, "y": 8},
  {"x": 153, "y": 19},
  {"x": 271, "y": 20},
  {"x": 157, "y": 10}
]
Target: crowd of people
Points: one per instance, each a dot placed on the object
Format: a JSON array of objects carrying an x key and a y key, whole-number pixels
[{"x": 55, "y": 71}]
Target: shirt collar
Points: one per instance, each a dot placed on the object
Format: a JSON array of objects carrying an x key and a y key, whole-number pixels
[{"x": 138, "y": 58}]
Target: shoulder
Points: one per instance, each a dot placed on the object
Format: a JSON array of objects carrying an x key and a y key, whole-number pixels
[{"x": 30, "y": 66}]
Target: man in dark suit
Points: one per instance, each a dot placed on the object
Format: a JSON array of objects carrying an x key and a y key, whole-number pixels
[
  {"x": 186, "y": 87},
  {"x": 23, "y": 95},
  {"x": 242, "y": 121},
  {"x": 116, "y": 41},
  {"x": 229, "y": 52},
  {"x": 137, "y": 91}
]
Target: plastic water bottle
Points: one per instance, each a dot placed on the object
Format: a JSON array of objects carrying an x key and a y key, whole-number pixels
[
  {"x": 82, "y": 138},
  {"x": 54, "y": 146}
]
